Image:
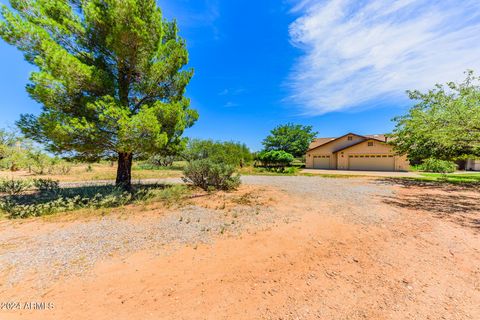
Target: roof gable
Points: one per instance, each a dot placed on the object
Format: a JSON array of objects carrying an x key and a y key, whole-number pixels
[
  {"x": 320, "y": 142},
  {"x": 336, "y": 139},
  {"x": 359, "y": 142}
]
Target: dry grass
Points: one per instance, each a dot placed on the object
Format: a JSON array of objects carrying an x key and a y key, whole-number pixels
[{"x": 99, "y": 171}]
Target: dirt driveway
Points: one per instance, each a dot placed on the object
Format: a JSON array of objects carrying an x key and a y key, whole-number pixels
[{"x": 279, "y": 248}]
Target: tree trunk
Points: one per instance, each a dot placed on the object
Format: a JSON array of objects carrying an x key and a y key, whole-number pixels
[{"x": 124, "y": 170}]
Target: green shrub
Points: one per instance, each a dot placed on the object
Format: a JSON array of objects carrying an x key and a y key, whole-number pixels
[
  {"x": 46, "y": 185},
  {"x": 14, "y": 187},
  {"x": 439, "y": 166},
  {"x": 232, "y": 153},
  {"x": 62, "y": 204},
  {"x": 275, "y": 159},
  {"x": 69, "y": 199},
  {"x": 208, "y": 175}
]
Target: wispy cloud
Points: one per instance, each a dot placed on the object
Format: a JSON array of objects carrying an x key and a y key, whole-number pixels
[
  {"x": 231, "y": 91},
  {"x": 231, "y": 104},
  {"x": 359, "y": 52}
]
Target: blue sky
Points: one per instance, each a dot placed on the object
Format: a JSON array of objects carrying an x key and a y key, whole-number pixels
[{"x": 340, "y": 65}]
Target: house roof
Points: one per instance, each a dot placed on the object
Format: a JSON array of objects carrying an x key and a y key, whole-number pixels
[
  {"x": 319, "y": 142},
  {"x": 381, "y": 137},
  {"x": 357, "y": 143}
]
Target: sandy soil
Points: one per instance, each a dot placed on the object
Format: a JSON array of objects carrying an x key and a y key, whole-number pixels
[{"x": 344, "y": 249}]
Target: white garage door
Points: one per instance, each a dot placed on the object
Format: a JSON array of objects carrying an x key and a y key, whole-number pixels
[
  {"x": 373, "y": 162},
  {"x": 321, "y": 162}
]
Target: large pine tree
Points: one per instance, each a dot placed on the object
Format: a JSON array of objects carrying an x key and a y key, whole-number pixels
[{"x": 111, "y": 77}]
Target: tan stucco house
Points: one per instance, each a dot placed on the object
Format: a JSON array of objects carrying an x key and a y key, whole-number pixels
[
  {"x": 473, "y": 165},
  {"x": 355, "y": 152}
]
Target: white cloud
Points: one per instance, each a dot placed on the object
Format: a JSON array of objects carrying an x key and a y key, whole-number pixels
[
  {"x": 360, "y": 52},
  {"x": 231, "y": 91},
  {"x": 231, "y": 104}
]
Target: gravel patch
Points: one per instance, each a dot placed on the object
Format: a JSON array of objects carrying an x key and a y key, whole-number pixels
[
  {"x": 74, "y": 250},
  {"x": 357, "y": 200}
]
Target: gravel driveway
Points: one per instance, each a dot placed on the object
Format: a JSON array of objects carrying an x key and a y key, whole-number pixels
[{"x": 76, "y": 247}]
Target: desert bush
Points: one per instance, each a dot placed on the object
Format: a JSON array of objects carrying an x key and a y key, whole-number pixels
[
  {"x": 46, "y": 185},
  {"x": 439, "y": 166},
  {"x": 14, "y": 187},
  {"x": 209, "y": 175}
]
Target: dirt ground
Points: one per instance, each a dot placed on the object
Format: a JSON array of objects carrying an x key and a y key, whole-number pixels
[{"x": 300, "y": 248}]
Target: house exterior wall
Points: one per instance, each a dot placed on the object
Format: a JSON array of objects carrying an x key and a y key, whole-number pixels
[
  {"x": 340, "y": 160},
  {"x": 328, "y": 149},
  {"x": 378, "y": 148},
  {"x": 473, "y": 165}
]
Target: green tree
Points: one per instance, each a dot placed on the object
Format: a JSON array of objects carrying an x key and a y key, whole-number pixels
[
  {"x": 111, "y": 77},
  {"x": 7, "y": 142},
  {"x": 443, "y": 124},
  {"x": 228, "y": 152},
  {"x": 291, "y": 138},
  {"x": 14, "y": 150}
]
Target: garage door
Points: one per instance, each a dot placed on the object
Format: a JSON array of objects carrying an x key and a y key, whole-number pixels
[
  {"x": 321, "y": 162},
  {"x": 374, "y": 162}
]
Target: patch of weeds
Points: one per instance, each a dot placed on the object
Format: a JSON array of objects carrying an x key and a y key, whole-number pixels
[
  {"x": 50, "y": 199},
  {"x": 244, "y": 199},
  {"x": 46, "y": 185},
  {"x": 170, "y": 195},
  {"x": 223, "y": 206},
  {"x": 223, "y": 229},
  {"x": 14, "y": 187}
]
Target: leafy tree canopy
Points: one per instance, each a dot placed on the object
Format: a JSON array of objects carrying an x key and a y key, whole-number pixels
[
  {"x": 275, "y": 158},
  {"x": 291, "y": 138},
  {"x": 228, "y": 152},
  {"x": 7, "y": 141},
  {"x": 110, "y": 77},
  {"x": 443, "y": 124}
]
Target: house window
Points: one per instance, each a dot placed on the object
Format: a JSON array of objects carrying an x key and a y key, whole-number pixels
[
  {"x": 370, "y": 143},
  {"x": 350, "y": 138}
]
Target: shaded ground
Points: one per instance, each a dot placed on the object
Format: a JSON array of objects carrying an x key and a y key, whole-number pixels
[
  {"x": 456, "y": 203},
  {"x": 300, "y": 248}
]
